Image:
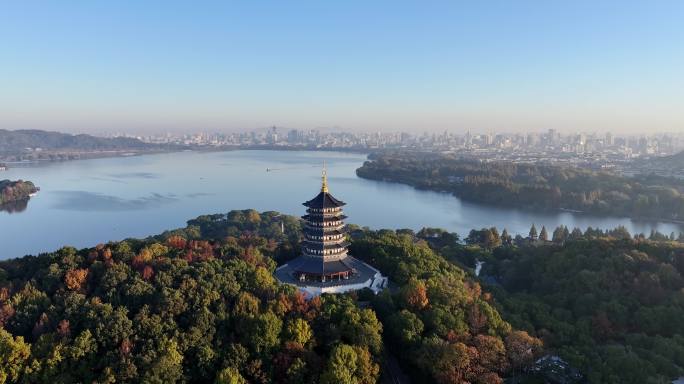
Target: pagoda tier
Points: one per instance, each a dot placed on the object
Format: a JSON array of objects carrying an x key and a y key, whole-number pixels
[
  {"x": 332, "y": 238},
  {"x": 339, "y": 245},
  {"x": 328, "y": 211},
  {"x": 324, "y": 249},
  {"x": 324, "y": 231},
  {"x": 324, "y": 218}
]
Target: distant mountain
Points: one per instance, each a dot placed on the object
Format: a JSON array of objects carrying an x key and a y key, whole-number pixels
[
  {"x": 18, "y": 141},
  {"x": 44, "y": 145}
]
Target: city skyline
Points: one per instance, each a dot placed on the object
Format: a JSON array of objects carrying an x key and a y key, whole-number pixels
[{"x": 381, "y": 66}]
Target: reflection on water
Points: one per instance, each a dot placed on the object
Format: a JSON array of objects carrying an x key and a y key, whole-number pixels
[
  {"x": 92, "y": 201},
  {"x": 197, "y": 194},
  {"x": 14, "y": 206},
  {"x": 86, "y": 202},
  {"x": 135, "y": 175}
]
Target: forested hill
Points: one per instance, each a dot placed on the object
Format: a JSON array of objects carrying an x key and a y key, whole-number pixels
[
  {"x": 200, "y": 305},
  {"x": 672, "y": 166},
  {"x": 13, "y": 140},
  {"x": 531, "y": 186},
  {"x": 23, "y": 144},
  {"x": 610, "y": 304}
]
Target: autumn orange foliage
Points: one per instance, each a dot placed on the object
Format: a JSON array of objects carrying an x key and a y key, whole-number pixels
[
  {"x": 75, "y": 278},
  {"x": 176, "y": 241}
]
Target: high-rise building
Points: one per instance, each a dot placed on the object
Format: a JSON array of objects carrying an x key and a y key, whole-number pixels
[
  {"x": 552, "y": 136},
  {"x": 609, "y": 139},
  {"x": 487, "y": 139}
]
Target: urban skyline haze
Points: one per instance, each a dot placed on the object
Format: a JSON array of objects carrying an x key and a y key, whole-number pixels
[{"x": 360, "y": 66}]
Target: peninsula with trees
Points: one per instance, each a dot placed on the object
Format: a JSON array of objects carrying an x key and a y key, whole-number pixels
[{"x": 533, "y": 186}]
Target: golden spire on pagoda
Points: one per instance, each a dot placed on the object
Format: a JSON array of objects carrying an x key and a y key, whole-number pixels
[{"x": 324, "y": 176}]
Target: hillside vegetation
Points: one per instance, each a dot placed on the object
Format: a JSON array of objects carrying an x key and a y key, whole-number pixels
[
  {"x": 36, "y": 144},
  {"x": 610, "y": 304},
  {"x": 200, "y": 304},
  {"x": 531, "y": 186}
]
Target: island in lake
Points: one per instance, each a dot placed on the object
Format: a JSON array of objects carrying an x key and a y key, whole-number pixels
[{"x": 14, "y": 195}]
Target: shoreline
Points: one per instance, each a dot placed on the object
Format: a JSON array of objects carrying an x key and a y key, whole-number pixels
[
  {"x": 453, "y": 215},
  {"x": 129, "y": 153},
  {"x": 528, "y": 209},
  {"x": 368, "y": 152},
  {"x": 82, "y": 156}
]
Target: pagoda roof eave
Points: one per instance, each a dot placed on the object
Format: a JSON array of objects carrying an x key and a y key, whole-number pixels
[
  {"x": 323, "y": 200},
  {"x": 319, "y": 266}
]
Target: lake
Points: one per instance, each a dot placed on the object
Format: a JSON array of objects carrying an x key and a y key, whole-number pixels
[{"x": 86, "y": 202}]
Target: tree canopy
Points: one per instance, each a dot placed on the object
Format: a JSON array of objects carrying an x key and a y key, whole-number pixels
[
  {"x": 200, "y": 304},
  {"x": 609, "y": 304},
  {"x": 533, "y": 186}
]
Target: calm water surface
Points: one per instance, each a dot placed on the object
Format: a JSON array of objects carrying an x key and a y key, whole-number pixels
[{"x": 83, "y": 203}]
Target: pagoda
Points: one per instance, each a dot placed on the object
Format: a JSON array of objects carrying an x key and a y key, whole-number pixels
[{"x": 324, "y": 264}]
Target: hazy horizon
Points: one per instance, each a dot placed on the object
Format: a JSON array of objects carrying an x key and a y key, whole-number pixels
[{"x": 83, "y": 67}]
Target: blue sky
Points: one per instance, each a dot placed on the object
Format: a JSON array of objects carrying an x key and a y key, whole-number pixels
[{"x": 92, "y": 66}]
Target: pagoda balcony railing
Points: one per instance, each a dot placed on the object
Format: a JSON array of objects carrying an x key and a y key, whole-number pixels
[
  {"x": 328, "y": 247},
  {"x": 325, "y": 216},
  {"x": 328, "y": 253},
  {"x": 342, "y": 243},
  {"x": 328, "y": 213},
  {"x": 325, "y": 238},
  {"x": 324, "y": 210},
  {"x": 339, "y": 226},
  {"x": 331, "y": 218},
  {"x": 327, "y": 225},
  {"x": 329, "y": 236}
]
